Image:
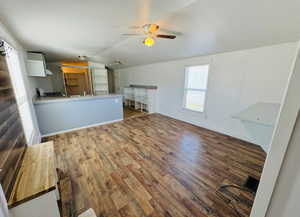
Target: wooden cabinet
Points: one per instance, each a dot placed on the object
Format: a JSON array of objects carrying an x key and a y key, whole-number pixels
[
  {"x": 77, "y": 78},
  {"x": 77, "y": 84},
  {"x": 85, "y": 77}
]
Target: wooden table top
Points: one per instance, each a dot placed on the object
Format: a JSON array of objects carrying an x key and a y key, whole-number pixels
[{"x": 36, "y": 176}]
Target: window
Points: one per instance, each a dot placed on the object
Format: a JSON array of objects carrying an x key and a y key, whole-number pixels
[{"x": 195, "y": 87}]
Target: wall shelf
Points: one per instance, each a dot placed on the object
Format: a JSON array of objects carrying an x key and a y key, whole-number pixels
[
  {"x": 260, "y": 113},
  {"x": 99, "y": 79}
]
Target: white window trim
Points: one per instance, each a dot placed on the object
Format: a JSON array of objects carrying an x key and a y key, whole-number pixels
[{"x": 195, "y": 89}]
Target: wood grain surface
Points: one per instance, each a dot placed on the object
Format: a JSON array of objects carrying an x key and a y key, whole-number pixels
[
  {"x": 65, "y": 189},
  {"x": 12, "y": 139},
  {"x": 37, "y": 174},
  {"x": 131, "y": 113},
  {"x": 156, "y": 166}
]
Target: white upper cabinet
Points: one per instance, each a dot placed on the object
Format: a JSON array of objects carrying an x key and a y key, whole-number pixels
[{"x": 36, "y": 65}]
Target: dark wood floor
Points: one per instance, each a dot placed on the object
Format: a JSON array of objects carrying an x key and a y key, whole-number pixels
[
  {"x": 157, "y": 166},
  {"x": 131, "y": 113}
]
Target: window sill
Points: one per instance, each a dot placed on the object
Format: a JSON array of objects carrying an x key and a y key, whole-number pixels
[{"x": 191, "y": 110}]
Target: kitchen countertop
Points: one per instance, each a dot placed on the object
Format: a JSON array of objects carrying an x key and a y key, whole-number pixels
[{"x": 41, "y": 100}]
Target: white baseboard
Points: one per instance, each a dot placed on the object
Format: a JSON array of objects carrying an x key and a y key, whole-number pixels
[
  {"x": 241, "y": 137},
  {"x": 80, "y": 128},
  {"x": 35, "y": 138}
]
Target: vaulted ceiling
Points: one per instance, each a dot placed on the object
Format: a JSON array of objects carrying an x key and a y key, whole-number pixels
[{"x": 64, "y": 29}]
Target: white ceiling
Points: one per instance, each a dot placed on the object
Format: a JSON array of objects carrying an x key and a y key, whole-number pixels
[{"x": 68, "y": 28}]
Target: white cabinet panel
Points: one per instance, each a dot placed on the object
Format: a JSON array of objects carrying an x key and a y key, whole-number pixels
[
  {"x": 45, "y": 205},
  {"x": 36, "y": 65},
  {"x": 36, "y": 68}
]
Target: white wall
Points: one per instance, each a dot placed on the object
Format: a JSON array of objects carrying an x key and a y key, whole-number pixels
[
  {"x": 40, "y": 82},
  {"x": 34, "y": 136},
  {"x": 282, "y": 163},
  {"x": 50, "y": 83},
  {"x": 285, "y": 199},
  {"x": 236, "y": 81},
  {"x": 3, "y": 204}
]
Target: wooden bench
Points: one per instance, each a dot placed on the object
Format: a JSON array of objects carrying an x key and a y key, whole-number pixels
[{"x": 35, "y": 192}]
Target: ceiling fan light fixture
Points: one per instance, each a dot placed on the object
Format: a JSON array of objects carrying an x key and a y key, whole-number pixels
[
  {"x": 153, "y": 28},
  {"x": 149, "y": 41}
]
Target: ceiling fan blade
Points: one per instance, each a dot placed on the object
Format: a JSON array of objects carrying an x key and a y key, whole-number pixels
[
  {"x": 170, "y": 32},
  {"x": 135, "y": 27},
  {"x": 166, "y": 36},
  {"x": 132, "y": 34}
]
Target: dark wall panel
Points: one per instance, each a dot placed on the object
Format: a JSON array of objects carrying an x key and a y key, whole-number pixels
[{"x": 12, "y": 139}]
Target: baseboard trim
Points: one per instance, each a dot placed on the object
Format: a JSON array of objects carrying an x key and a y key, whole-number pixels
[
  {"x": 31, "y": 140},
  {"x": 35, "y": 138},
  {"x": 80, "y": 128},
  {"x": 242, "y": 138}
]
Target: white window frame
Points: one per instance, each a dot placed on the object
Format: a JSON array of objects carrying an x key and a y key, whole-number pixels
[{"x": 186, "y": 89}]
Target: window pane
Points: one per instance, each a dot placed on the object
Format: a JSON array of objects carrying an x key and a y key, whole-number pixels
[
  {"x": 195, "y": 100},
  {"x": 197, "y": 77}
]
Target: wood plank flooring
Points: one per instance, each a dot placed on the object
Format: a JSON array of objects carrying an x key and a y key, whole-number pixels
[
  {"x": 130, "y": 113},
  {"x": 157, "y": 166}
]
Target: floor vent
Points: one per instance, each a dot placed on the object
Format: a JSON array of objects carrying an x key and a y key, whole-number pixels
[{"x": 251, "y": 183}]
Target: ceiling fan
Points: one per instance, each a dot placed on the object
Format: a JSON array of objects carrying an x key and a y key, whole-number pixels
[{"x": 150, "y": 30}]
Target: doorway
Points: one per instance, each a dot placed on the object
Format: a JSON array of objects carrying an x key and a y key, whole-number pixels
[{"x": 77, "y": 78}]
